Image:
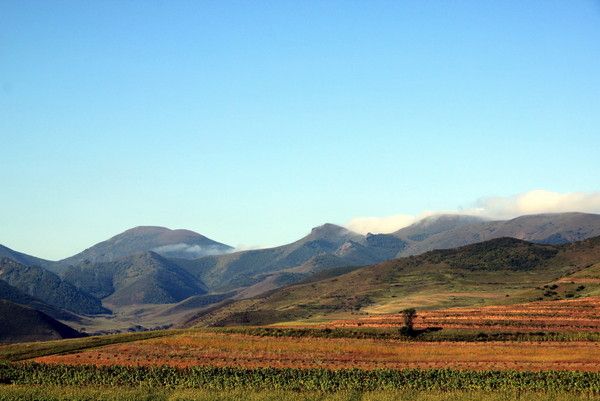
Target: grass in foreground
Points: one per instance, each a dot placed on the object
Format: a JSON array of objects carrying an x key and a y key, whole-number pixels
[
  {"x": 53, "y": 393},
  {"x": 299, "y": 380}
]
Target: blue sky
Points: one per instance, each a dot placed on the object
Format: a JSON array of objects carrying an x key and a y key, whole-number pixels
[{"x": 252, "y": 121}]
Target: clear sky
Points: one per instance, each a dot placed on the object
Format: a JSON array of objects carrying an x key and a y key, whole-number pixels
[{"x": 252, "y": 121}]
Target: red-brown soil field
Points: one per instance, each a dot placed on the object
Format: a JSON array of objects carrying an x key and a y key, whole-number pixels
[
  {"x": 203, "y": 348},
  {"x": 574, "y": 315}
]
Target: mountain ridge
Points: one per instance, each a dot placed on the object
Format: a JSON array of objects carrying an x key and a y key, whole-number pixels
[
  {"x": 167, "y": 242},
  {"x": 501, "y": 270}
]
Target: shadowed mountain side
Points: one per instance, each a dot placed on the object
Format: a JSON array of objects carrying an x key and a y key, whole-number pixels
[
  {"x": 14, "y": 295},
  {"x": 19, "y": 323},
  {"x": 146, "y": 278},
  {"x": 557, "y": 228},
  {"x": 502, "y": 270},
  {"x": 171, "y": 243},
  {"x": 49, "y": 288}
]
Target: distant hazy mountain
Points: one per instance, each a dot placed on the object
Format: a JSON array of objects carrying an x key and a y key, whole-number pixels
[
  {"x": 48, "y": 287},
  {"x": 436, "y": 224},
  {"x": 19, "y": 323},
  {"x": 330, "y": 247},
  {"x": 22, "y": 258},
  {"x": 145, "y": 278},
  {"x": 245, "y": 268},
  {"x": 183, "y": 244},
  {"x": 557, "y": 228}
]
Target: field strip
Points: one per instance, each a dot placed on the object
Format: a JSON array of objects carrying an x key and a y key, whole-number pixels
[
  {"x": 238, "y": 350},
  {"x": 23, "y": 351}
]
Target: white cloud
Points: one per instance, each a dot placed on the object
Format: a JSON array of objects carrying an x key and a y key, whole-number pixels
[
  {"x": 539, "y": 201},
  {"x": 386, "y": 224},
  {"x": 245, "y": 247},
  {"x": 194, "y": 251},
  {"x": 532, "y": 202}
]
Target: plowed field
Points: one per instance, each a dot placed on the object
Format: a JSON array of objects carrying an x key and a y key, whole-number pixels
[{"x": 240, "y": 350}]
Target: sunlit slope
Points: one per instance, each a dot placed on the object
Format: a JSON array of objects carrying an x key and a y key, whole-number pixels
[{"x": 500, "y": 271}]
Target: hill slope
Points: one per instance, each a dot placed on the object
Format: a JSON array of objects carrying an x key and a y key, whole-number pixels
[
  {"x": 169, "y": 243},
  {"x": 146, "y": 278},
  {"x": 19, "y": 324},
  {"x": 48, "y": 287},
  {"x": 502, "y": 270},
  {"x": 14, "y": 295}
]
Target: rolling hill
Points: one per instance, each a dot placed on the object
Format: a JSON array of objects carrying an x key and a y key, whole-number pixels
[{"x": 498, "y": 271}]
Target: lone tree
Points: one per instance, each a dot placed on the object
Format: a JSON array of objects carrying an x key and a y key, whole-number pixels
[{"x": 408, "y": 315}]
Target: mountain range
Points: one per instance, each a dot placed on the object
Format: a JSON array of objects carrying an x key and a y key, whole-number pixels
[
  {"x": 157, "y": 276},
  {"x": 498, "y": 271}
]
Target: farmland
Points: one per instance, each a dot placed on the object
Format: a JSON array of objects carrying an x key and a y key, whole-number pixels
[
  {"x": 571, "y": 315},
  {"x": 304, "y": 363},
  {"x": 202, "y": 348}
]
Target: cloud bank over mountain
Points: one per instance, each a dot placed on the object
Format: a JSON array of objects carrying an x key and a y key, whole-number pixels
[{"x": 498, "y": 207}]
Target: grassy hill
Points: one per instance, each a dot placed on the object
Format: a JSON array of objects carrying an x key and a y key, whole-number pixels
[{"x": 498, "y": 271}]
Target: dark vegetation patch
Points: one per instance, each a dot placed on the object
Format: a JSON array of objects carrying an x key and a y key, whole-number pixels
[
  {"x": 426, "y": 335},
  {"x": 500, "y": 254}
]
